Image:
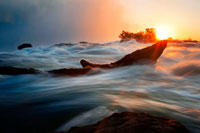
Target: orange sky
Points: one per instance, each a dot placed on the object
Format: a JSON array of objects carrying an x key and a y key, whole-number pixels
[
  {"x": 182, "y": 17},
  {"x": 45, "y": 22},
  {"x": 104, "y": 20}
]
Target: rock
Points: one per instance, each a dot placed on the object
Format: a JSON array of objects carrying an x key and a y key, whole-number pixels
[
  {"x": 129, "y": 122},
  {"x": 148, "y": 55},
  {"x": 25, "y": 45},
  {"x": 16, "y": 71},
  {"x": 70, "y": 71},
  {"x": 187, "y": 45},
  {"x": 83, "y": 42},
  {"x": 60, "y": 72},
  {"x": 64, "y": 44},
  {"x": 195, "y": 41}
]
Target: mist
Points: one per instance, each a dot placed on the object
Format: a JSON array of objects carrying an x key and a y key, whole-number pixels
[{"x": 45, "y": 22}]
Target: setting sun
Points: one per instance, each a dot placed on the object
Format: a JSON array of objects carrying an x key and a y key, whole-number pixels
[{"x": 163, "y": 32}]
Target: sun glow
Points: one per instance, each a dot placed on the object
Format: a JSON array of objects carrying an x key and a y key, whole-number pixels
[{"x": 163, "y": 32}]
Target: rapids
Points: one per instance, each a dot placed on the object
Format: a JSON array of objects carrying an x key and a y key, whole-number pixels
[{"x": 45, "y": 102}]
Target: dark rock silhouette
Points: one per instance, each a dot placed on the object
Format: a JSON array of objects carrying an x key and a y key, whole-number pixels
[
  {"x": 25, "y": 45},
  {"x": 71, "y": 71},
  {"x": 148, "y": 55},
  {"x": 62, "y": 72},
  {"x": 83, "y": 42},
  {"x": 190, "y": 40},
  {"x": 64, "y": 44},
  {"x": 187, "y": 45},
  {"x": 129, "y": 122},
  {"x": 17, "y": 71}
]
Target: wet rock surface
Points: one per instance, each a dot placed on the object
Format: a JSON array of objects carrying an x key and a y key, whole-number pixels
[{"x": 129, "y": 122}]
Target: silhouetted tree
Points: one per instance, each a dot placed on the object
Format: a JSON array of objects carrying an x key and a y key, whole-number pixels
[{"x": 149, "y": 35}]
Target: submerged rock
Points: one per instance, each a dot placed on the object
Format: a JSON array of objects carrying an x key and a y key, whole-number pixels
[
  {"x": 129, "y": 122},
  {"x": 25, "y": 45}
]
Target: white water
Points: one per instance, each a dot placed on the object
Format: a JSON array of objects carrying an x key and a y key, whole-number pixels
[{"x": 169, "y": 88}]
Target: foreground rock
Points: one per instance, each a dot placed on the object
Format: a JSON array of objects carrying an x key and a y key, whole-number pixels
[
  {"x": 25, "y": 45},
  {"x": 129, "y": 122}
]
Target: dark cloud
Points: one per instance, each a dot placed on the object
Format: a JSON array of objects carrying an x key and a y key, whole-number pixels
[
  {"x": 21, "y": 19},
  {"x": 55, "y": 21},
  {"x": 11, "y": 11}
]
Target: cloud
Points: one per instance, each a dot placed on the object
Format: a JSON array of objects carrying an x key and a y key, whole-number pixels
[
  {"x": 11, "y": 10},
  {"x": 55, "y": 21}
]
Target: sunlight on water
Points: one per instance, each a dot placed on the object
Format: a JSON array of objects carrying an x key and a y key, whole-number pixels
[{"x": 169, "y": 88}]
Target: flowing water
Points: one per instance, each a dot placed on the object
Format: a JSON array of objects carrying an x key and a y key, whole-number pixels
[{"x": 46, "y": 103}]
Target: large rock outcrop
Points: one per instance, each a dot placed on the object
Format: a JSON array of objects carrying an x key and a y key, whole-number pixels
[
  {"x": 148, "y": 55},
  {"x": 129, "y": 122}
]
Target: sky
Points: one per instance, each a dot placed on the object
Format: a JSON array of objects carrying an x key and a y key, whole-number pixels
[{"x": 46, "y": 22}]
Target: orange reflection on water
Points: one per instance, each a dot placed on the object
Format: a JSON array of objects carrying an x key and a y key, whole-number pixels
[
  {"x": 173, "y": 53},
  {"x": 194, "y": 112},
  {"x": 186, "y": 68},
  {"x": 134, "y": 102}
]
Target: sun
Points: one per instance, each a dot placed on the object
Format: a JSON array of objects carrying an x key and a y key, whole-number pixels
[{"x": 163, "y": 32}]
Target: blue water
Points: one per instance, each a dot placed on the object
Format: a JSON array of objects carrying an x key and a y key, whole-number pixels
[{"x": 46, "y": 103}]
